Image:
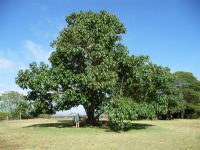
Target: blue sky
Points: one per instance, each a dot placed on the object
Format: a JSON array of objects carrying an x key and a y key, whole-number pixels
[{"x": 168, "y": 31}]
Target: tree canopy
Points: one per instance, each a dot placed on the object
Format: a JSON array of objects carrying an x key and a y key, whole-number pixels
[
  {"x": 13, "y": 104},
  {"x": 91, "y": 66},
  {"x": 9, "y": 100}
]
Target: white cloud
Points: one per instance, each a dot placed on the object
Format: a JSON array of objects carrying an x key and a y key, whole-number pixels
[
  {"x": 35, "y": 51},
  {"x": 5, "y": 64}
]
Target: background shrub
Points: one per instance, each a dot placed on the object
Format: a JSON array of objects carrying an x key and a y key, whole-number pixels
[
  {"x": 3, "y": 115},
  {"x": 47, "y": 116},
  {"x": 120, "y": 113}
]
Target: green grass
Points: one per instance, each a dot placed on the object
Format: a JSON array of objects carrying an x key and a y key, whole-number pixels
[{"x": 55, "y": 134}]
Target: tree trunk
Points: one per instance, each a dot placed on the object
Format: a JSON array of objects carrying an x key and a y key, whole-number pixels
[
  {"x": 168, "y": 116},
  {"x": 182, "y": 114},
  {"x": 90, "y": 114},
  {"x": 20, "y": 116},
  {"x": 178, "y": 115}
]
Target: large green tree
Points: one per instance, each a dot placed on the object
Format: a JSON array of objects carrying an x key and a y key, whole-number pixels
[
  {"x": 83, "y": 65},
  {"x": 90, "y": 66}
]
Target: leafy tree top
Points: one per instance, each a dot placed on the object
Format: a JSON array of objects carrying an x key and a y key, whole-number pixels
[
  {"x": 9, "y": 100},
  {"x": 185, "y": 78},
  {"x": 90, "y": 66}
]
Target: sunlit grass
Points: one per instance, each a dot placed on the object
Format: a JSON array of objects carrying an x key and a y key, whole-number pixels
[{"x": 55, "y": 134}]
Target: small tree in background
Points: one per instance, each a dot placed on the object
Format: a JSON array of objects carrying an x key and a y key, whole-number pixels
[
  {"x": 9, "y": 103},
  {"x": 190, "y": 87}
]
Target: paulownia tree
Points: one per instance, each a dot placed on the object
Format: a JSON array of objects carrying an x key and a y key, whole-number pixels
[
  {"x": 83, "y": 64},
  {"x": 90, "y": 66}
]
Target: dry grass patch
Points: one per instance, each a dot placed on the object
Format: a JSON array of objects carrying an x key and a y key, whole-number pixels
[{"x": 57, "y": 134}]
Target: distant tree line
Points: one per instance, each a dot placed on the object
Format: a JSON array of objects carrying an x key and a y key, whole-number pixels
[{"x": 190, "y": 88}]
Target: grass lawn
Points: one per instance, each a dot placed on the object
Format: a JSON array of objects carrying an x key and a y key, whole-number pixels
[{"x": 56, "y": 135}]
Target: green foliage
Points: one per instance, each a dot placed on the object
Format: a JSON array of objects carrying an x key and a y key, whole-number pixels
[
  {"x": 3, "y": 115},
  {"x": 90, "y": 66},
  {"x": 84, "y": 58},
  {"x": 46, "y": 116},
  {"x": 192, "y": 111},
  {"x": 146, "y": 111},
  {"x": 186, "y": 79},
  {"x": 38, "y": 80},
  {"x": 120, "y": 113},
  {"x": 190, "y": 95},
  {"x": 83, "y": 64},
  {"x": 13, "y": 104},
  {"x": 148, "y": 84},
  {"x": 9, "y": 102},
  {"x": 190, "y": 87},
  {"x": 23, "y": 110}
]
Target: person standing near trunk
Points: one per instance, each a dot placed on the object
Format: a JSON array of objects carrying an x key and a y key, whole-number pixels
[{"x": 77, "y": 120}]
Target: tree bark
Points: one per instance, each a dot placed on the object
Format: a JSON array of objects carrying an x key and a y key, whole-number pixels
[
  {"x": 182, "y": 114},
  {"x": 90, "y": 114},
  {"x": 169, "y": 116},
  {"x": 20, "y": 116}
]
